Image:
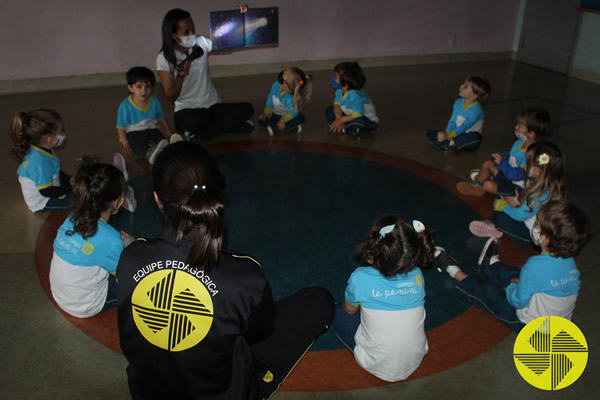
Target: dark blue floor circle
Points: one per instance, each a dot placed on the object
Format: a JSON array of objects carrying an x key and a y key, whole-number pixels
[{"x": 301, "y": 215}]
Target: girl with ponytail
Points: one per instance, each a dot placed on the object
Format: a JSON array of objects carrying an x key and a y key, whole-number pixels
[
  {"x": 197, "y": 321},
  {"x": 34, "y": 135},
  {"x": 87, "y": 248}
]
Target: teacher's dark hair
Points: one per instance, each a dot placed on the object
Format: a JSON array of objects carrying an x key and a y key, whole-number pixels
[
  {"x": 169, "y": 27},
  {"x": 191, "y": 191}
]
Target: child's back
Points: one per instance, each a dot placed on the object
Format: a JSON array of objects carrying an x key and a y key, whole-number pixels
[
  {"x": 382, "y": 318},
  {"x": 390, "y": 341}
]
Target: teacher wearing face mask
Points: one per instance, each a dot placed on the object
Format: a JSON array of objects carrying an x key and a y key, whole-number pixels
[{"x": 182, "y": 65}]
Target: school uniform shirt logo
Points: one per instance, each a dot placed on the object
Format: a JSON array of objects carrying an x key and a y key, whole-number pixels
[
  {"x": 87, "y": 248},
  {"x": 550, "y": 353},
  {"x": 172, "y": 309}
]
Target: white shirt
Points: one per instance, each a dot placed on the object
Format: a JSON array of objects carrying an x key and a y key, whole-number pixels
[
  {"x": 198, "y": 90},
  {"x": 391, "y": 344}
]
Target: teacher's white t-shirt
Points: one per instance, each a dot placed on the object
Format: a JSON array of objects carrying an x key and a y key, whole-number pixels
[{"x": 198, "y": 90}]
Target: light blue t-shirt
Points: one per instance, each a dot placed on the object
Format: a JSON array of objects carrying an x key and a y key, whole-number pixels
[
  {"x": 368, "y": 288},
  {"x": 103, "y": 249},
  {"x": 133, "y": 118},
  {"x": 39, "y": 170},
  {"x": 357, "y": 103},
  {"x": 280, "y": 104},
  {"x": 545, "y": 273},
  {"x": 464, "y": 119}
]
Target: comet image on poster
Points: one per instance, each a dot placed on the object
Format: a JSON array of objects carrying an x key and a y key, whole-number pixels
[{"x": 258, "y": 26}]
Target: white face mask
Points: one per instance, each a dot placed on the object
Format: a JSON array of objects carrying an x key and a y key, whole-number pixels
[
  {"x": 521, "y": 136},
  {"x": 187, "y": 41},
  {"x": 61, "y": 139}
]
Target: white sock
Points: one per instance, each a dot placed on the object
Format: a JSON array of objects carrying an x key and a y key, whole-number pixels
[
  {"x": 494, "y": 259},
  {"x": 452, "y": 270}
]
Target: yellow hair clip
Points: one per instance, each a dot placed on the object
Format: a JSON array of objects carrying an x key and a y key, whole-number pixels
[{"x": 543, "y": 159}]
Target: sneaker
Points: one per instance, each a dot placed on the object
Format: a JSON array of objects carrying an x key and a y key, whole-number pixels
[
  {"x": 474, "y": 174},
  {"x": 352, "y": 131},
  {"x": 155, "y": 150},
  {"x": 468, "y": 189},
  {"x": 88, "y": 159},
  {"x": 130, "y": 204},
  {"x": 270, "y": 130},
  {"x": 445, "y": 145},
  {"x": 176, "y": 137},
  {"x": 484, "y": 229},
  {"x": 490, "y": 249},
  {"x": 246, "y": 127},
  {"x": 443, "y": 260},
  {"x": 119, "y": 162},
  {"x": 297, "y": 129}
]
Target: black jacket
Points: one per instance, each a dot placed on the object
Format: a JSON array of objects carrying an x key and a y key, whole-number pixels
[{"x": 187, "y": 333}]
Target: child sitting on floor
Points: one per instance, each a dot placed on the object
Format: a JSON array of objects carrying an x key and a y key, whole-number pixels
[
  {"x": 87, "y": 248},
  {"x": 292, "y": 89},
  {"x": 464, "y": 128},
  {"x": 505, "y": 172},
  {"x": 515, "y": 215},
  {"x": 387, "y": 336},
  {"x": 34, "y": 136},
  {"x": 139, "y": 116},
  {"x": 547, "y": 284},
  {"x": 353, "y": 111}
]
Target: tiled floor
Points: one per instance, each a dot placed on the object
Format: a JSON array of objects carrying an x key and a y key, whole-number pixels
[{"x": 45, "y": 357}]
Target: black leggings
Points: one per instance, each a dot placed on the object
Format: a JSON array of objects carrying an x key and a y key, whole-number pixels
[{"x": 206, "y": 123}]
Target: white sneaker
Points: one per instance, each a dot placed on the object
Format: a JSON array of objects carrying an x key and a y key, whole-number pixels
[
  {"x": 119, "y": 162},
  {"x": 155, "y": 151},
  {"x": 130, "y": 204},
  {"x": 176, "y": 137},
  {"x": 270, "y": 130},
  {"x": 299, "y": 128}
]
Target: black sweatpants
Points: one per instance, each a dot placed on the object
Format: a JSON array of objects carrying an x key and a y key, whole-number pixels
[
  {"x": 206, "y": 123},
  {"x": 300, "y": 319}
]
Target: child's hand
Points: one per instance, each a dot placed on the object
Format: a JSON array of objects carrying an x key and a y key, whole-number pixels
[
  {"x": 442, "y": 136},
  {"x": 263, "y": 117},
  {"x": 514, "y": 280},
  {"x": 281, "y": 124},
  {"x": 513, "y": 200},
  {"x": 497, "y": 158},
  {"x": 126, "y": 148},
  {"x": 337, "y": 126}
]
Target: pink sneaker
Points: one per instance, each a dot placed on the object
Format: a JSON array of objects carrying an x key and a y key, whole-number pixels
[{"x": 484, "y": 229}]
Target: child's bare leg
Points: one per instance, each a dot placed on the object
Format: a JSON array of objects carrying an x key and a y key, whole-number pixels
[
  {"x": 490, "y": 187},
  {"x": 488, "y": 169},
  {"x": 460, "y": 275}
]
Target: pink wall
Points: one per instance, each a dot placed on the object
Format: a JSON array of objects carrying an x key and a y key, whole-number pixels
[{"x": 71, "y": 37}]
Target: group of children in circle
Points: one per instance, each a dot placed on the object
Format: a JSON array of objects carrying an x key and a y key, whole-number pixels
[{"x": 388, "y": 338}]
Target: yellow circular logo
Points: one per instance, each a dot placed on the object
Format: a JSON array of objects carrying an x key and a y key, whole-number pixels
[
  {"x": 419, "y": 280},
  {"x": 550, "y": 353},
  {"x": 87, "y": 248},
  {"x": 172, "y": 309}
]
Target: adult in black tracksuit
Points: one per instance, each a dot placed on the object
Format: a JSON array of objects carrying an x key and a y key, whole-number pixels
[{"x": 199, "y": 322}]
